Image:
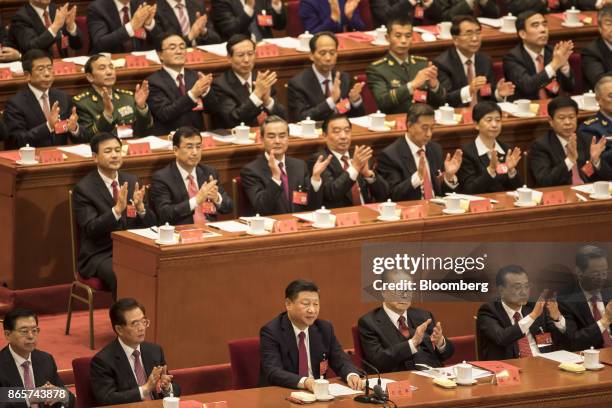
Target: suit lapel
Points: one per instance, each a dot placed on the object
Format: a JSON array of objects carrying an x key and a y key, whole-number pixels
[
  {"x": 316, "y": 349},
  {"x": 406, "y": 156},
  {"x": 527, "y": 59},
  {"x": 170, "y": 16},
  {"x": 239, "y": 91},
  {"x": 502, "y": 315},
  {"x": 312, "y": 83},
  {"x": 35, "y": 18},
  {"x": 388, "y": 327},
  {"x": 8, "y": 366},
  {"x": 123, "y": 364},
  {"x": 171, "y": 84},
  {"x": 35, "y": 106},
  {"x": 38, "y": 368},
  {"x": 103, "y": 190},
  {"x": 456, "y": 61},
  {"x": 555, "y": 147},
  {"x": 290, "y": 341},
  {"x": 179, "y": 182}
]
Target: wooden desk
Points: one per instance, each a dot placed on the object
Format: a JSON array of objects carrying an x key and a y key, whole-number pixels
[
  {"x": 542, "y": 385},
  {"x": 354, "y": 57},
  {"x": 34, "y": 209},
  {"x": 201, "y": 287}
]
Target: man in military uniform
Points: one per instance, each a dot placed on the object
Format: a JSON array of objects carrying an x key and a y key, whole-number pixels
[
  {"x": 601, "y": 124},
  {"x": 398, "y": 79},
  {"x": 103, "y": 108}
]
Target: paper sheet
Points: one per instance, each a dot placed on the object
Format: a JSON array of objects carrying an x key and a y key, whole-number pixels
[
  {"x": 82, "y": 150},
  {"x": 284, "y": 42},
  {"x": 338, "y": 390},
  {"x": 492, "y": 22},
  {"x": 229, "y": 226},
  {"x": 508, "y": 107},
  {"x": 584, "y": 188},
  {"x": 145, "y": 232},
  {"x": 150, "y": 55},
  {"x": 471, "y": 197},
  {"x": 77, "y": 60},
  {"x": 15, "y": 67},
  {"x": 562, "y": 356},
  {"x": 155, "y": 142},
  {"x": 217, "y": 49},
  {"x": 363, "y": 121},
  {"x": 448, "y": 372}
]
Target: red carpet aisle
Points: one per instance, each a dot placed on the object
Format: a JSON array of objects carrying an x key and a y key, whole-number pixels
[{"x": 65, "y": 348}]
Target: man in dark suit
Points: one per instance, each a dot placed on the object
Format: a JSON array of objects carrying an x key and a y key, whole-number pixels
[
  {"x": 347, "y": 181},
  {"x": 188, "y": 19},
  {"x": 482, "y": 8},
  {"x": 233, "y": 17},
  {"x": 296, "y": 346},
  {"x": 319, "y": 91},
  {"x": 100, "y": 203},
  {"x": 122, "y": 26},
  {"x": 276, "y": 183},
  {"x": 465, "y": 72},
  {"x": 334, "y": 15},
  {"x": 488, "y": 165},
  {"x": 396, "y": 336},
  {"x": 244, "y": 96},
  {"x": 545, "y": 6},
  {"x": 177, "y": 96},
  {"x": 600, "y": 126},
  {"x": 22, "y": 365},
  {"x": 8, "y": 53},
  {"x": 423, "y": 12},
  {"x": 587, "y": 306},
  {"x": 538, "y": 70},
  {"x": 129, "y": 369},
  {"x": 413, "y": 165},
  {"x": 513, "y": 327},
  {"x": 39, "y": 115},
  {"x": 558, "y": 158},
  {"x": 40, "y": 24},
  {"x": 597, "y": 55},
  {"x": 187, "y": 191}
]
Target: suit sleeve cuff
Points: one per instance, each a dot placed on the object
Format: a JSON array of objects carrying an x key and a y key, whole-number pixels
[
  {"x": 142, "y": 393},
  {"x": 150, "y": 26},
  {"x": 601, "y": 326},
  {"x": 248, "y": 10},
  {"x": 550, "y": 71},
  {"x": 220, "y": 201},
  {"x": 117, "y": 216},
  {"x": 350, "y": 375},
  {"x": 256, "y": 101},
  {"x": 192, "y": 203},
  {"x": 51, "y": 32},
  {"x": 74, "y": 32},
  {"x": 129, "y": 29},
  {"x": 413, "y": 349},
  {"x": 330, "y": 103},
  {"x": 443, "y": 347},
  {"x": 300, "y": 384},
  {"x": 353, "y": 173},
  {"x": 270, "y": 105},
  {"x": 316, "y": 185},
  {"x": 453, "y": 183},
  {"x": 279, "y": 182},
  {"x": 416, "y": 180},
  {"x": 466, "y": 97},
  {"x": 525, "y": 323},
  {"x": 560, "y": 325},
  {"x": 357, "y": 103},
  {"x": 277, "y": 9},
  {"x": 568, "y": 163}
]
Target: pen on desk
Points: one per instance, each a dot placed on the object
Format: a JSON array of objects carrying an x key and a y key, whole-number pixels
[
  {"x": 154, "y": 229},
  {"x": 581, "y": 197}
]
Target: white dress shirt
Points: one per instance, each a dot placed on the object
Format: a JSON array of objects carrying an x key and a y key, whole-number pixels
[
  {"x": 394, "y": 317},
  {"x": 108, "y": 183},
  {"x": 524, "y": 324},
  {"x": 174, "y": 75},
  {"x": 254, "y": 98},
  {"x": 184, "y": 174},
  {"x": 129, "y": 353},
  {"x": 40, "y": 12},
  {"x": 466, "y": 96},
  {"x": 330, "y": 84},
  {"x": 19, "y": 361},
  {"x": 600, "y": 306},
  {"x": 315, "y": 184},
  {"x": 482, "y": 149},
  {"x": 353, "y": 173},
  {"x": 565, "y": 69},
  {"x": 38, "y": 95},
  {"x": 415, "y": 179},
  {"x": 128, "y": 26}
]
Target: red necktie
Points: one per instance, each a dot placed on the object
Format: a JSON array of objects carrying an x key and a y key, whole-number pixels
[
  {"x": 576, "y": 179},
  {"x": 126, "y": 19},
  {"x": 181, "y": 84},
  {"x": 355, "y": 191},
  {"x": 27, "y": 379},
  {"x": 403, "y": 327},
  {"x": 523, "y": 342},
  {"x": 45, "y": 103},
  {"x": 54, "y": 49},
  {"x": 470, "y": 78},
  {"x": 284, "y": 180},
  {"x": 303, "y": 355},
  {"x": 427, "y": 186},
  {"x": 597, "y": 315},
  {"x": 198, "y": 215},
  {"x": 115, "y": 188},
  {"x": 141, "y": 377},
  {"x": 326, "y": 85},
  {"x": 540, "y": 68}
]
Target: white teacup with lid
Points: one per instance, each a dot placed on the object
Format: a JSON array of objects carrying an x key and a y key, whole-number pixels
[
  {"x": 257, "y": 224},
  {"x": 308, "y": 127},
  {"x": 572, "y": 16},
  {"x": 322, "y": 217},
  {"x": 27, "y": 154},
  {"x": 508, "y": 24},
  {"x": 387, "y": 209},
  {"x": 377, "y": 120},
  {"x": 241, "y": 132},
  {"x": 304, "y": 41},
  {"x": 166, "y": 234}
]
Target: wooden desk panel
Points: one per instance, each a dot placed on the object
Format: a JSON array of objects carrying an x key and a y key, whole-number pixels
[
  {"x": 542, "y": 385},
  {"x": 238, "y": 278}
]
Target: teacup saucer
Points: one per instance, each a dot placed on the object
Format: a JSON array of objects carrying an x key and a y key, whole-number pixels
[
  {"x": 383, "y": 129},
  {"x": 522, "y": 204},
  {"x": 381, "y": 218},
  {"x": 443, "y": 37},
  {"x": 520, "y": 114},
  {"x": 300, "y": 49},
  {"x": 600, "y": 197},
  {"x": 453, "y": 212},
  {"x": 27, "y": 163},
  {"x": 511, "y": 31},
  {"x": 255, "y": 233},
  {"x": 323, "y": 226},
  {"x": 468, "y": 383},
  {"x": 447, "y": 122},
  {"x": 328, "y": 397},
  {"x": 173, "y": 242},
  {"x": 379, "y": 42},
  {"x": 243, "y": 142},
  {"x": 595, "y": 368},
  {"x": 572, "y": 25}
]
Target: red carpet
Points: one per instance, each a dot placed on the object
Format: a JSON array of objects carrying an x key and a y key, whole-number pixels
[{"x": 65, "y": 348}]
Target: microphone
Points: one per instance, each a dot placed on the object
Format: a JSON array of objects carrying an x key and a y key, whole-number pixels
[{"x": 380, "y": 396}]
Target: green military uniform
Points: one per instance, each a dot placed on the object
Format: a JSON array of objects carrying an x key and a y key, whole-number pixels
[
  {"x": 388, "y": 79},
  {"x": 90, "y": 106}
]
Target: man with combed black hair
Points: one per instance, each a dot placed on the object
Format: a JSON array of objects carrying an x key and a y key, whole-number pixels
[{"x": 596, "y": 56}]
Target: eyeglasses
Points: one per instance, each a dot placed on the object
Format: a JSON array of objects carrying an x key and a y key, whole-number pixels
[
  {"x": 35, "y": 331},
  {"x": 142, "y": 322},
  {"x": 43, "y": 68},
  {"x": 249, "y": 54},
  {"x": 519, "y": 287},
  {"x": 174, "y": 47},
  {"x": 471, "y": 34}
]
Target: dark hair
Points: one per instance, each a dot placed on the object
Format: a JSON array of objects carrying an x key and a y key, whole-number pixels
[
  {"x": 586, "y": 253},
  {"x": 88, "y": 65},
  {"x": 101, "y": 137},
  {"x": 561, "y": 102},
  {"x": 235, "y": 39},
  {"x": 29, "y": 57},
  {"x": 313, "y": 41},
  {"x": 268, "y": 120},
  {"x": 400, "y": 20},
  {"x": 605, "y": 11},
  {"x": 457, "y": 20},
  {"x": 417, "y": 110},
  {"x": 184, "y": 131},
  {"x": 294, "y": 288},
  {"x": 10, "y": 319},
  {"x": 163, "y": 37},
  {"x": 483, "y": 108},
  {"x": 332, "y": 117},
  {"x": 522, "y": 18},
  {"x": 118, "y": 309},
  {"x": 500, "y": 278}
]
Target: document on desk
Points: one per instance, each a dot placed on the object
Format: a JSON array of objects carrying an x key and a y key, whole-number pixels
[
  {"x": 15, "y": 67},
  {"x": 562, "y": 356},
  {"x": 339, "y": 390},
  {"x": 149, "y": 55},
  {"x": 471, "y": 197},
  {"x": 492, "y": 22},
  {"x": 229, "y": 226},
  {"x": 363, "y": 121},
  {"x": 145, "y": 232},
  {"x": 586, "y": 188},
  {"x": 77, "y": 60},
  {"x": 82, "y": 150},
  {"x": 283, "y": 42},
  {"x": 217, "y": 49},
  {"x": 449, "y": 372},
  {"x": 156, "y": 143}
]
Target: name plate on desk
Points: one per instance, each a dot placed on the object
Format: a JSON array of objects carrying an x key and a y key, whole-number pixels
[
  {"x": 137, "y": 149},
  {"x": 51, "y": 156},
  {"x": 347, "y": 219},
  {"x": 194, "y": 57},
  {"x": 267, "y": 50},
  {"x": 413, "y": 212},
  {"x": 399, "y": 389},
  {"x": 286, "y": 226},
  {"x": 64, "y": 68},
  {"x": 216, "y": 404},
  {"x": 136, "y": 61},
  {"x": 509, "y": 376},
  {"x": 553, "y": 197},
  {"x": 400, "y": 123},
  {"x": 5, "y": 73},
  {"x": 192, "y": 235},
  {"x": 207, "y": 142},
  {"x": 480, "y": 206}
]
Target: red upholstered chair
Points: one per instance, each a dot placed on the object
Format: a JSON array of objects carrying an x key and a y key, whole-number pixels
[
  {"x": 498, "y": 70},
  {"x": 242, "y": 205},
  {"x": 244, "y": 357},
  {"x": 211, "y": 378},
  {"x": 464, "y": 349},
  {"x": 294, "y": 23},
  {"x": 575, "y": 61},
  {"x": 369, "y": 103},
  {"x": 85, "y": 397},
  {"x": 88, "y": 285},
  {"x": 81, "y": 22},
  {"x": 366, "y": 14},
  {"x": 357, "y": 346}
]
